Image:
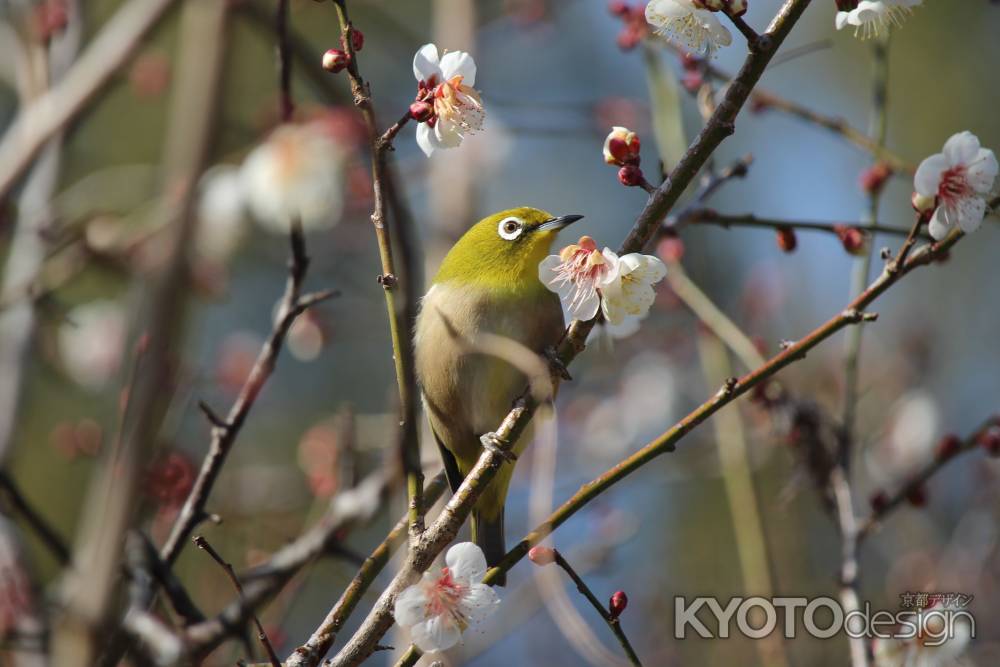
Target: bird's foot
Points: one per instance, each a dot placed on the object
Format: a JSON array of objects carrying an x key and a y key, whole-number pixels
[
  {"x": 556, "y": 365},
  {"x": 494, "y": 443}
]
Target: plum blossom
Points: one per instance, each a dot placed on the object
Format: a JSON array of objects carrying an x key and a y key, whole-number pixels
[
  {"x": 587, "y": 280},
  {"x": 684, "y": 22},
  {"x": 632, "y": 292},
  {"x": 91, "y": 342},
  {"x": 445, "y": 84},
  {"x": 221, "y": 213},
  {"x": 871, "y": 18},
  {"x": 439, "y": 608},
  {"x": 577, "y": 274},
  {"x": 298, "y": 172},
  {"x": 957, "y": 180}
]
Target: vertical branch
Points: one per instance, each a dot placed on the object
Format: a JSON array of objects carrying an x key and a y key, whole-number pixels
[
  {"x": 400, "y": 307},
  {"x": 840, "y": 484}
]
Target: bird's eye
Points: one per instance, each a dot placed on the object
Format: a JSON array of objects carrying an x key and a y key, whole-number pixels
[{"x": 510, "y": 228}]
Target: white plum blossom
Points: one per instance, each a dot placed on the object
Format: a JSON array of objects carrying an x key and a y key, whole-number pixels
[
  {"x": 940, "y": 641},
  {"x": 872, "y": 17},
  {"x": 631, "y": 294},
  {"x": 958, "y": 180},
  {"x": 587, "y": 280},
  {"x": 439, "y": 608},
  {"x": 297, "y": 173},
  {"x": 91, "y": 342},
  {"x": 446, "y": 83},
  {"x": 577, "y": 274},
  {"x": 684, "y": 23}
]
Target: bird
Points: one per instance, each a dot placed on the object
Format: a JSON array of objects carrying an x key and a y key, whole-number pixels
[{"x": 488, "y": 283}]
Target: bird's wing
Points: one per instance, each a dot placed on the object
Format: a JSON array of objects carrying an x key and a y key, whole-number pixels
[{"x": 451, "y": 470}]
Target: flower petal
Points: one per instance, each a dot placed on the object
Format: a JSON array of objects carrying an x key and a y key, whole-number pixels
[
  {"x": 466, "y": 562},
  {"x": 425, "y": 63},
  {"x": 970, "y": 213},
  {"x": 841, "y": 20},
  {"x": 459, "y": 63},
  {"x": 928, "y": 177},
  {"x": 438, "y": 633},
  {"x": 613, "y": 272},
  {"x": 411, "y": 605},
  {"x": 478, "y": 603},
  {"x": 426, "y": 139},
  {"x": 938, "y": 226},
  {"x": 585, "y": 309},
  {"x": 447, "y": 133},
  {"x": 961, "y": 148},
  {"x": 982, "y": 171},
  {"x": 719, "y": 33}
]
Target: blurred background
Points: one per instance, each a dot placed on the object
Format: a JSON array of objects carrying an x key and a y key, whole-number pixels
[{"x": 84, "y": 229}]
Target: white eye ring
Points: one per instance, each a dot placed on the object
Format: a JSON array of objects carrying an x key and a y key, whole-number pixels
[{"x": 510, "y": 228}]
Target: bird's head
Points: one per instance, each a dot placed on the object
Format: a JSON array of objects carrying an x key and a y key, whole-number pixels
[{"x": 502, "y": 251}]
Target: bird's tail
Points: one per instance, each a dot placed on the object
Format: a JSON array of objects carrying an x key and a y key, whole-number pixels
[{"x": 487, "y": 533}]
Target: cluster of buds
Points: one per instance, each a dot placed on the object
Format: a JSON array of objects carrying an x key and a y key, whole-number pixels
[
  {"x": 336, "y": 60},
  {"x": 621, "y": 148},
  {"x": 728, "y": 7},
  {"x": 422, "y": 109},
  {"x": 634, "y": 25}
]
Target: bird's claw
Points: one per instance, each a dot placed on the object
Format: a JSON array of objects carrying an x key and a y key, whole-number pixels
[
  {"x": 556, "y": 365},
  {"x": 494, "y": 443}
]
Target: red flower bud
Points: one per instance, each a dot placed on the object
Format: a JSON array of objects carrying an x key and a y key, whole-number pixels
[
  {"x": 917, "y": 496},
  {"x": 630, "y": 175},
  {"x": 421, "y": 111},
  {"x": 990, "y": 440},
  {"x": 692, "y": 80},
  {"x": 629, "y": 38},
  {"x": 879, "y": 502},
  {"x": 786, "y": 238},
  {"x": 617, "y": 604},
  {"x": 618, "y": 8},
  {"x": 335, "y": 60},
  {"x": 874, "y": 177},
  {"x": 621, "y": 147},
  {"x": 852, "y": 238},
  {"x": 357, "y": 39},
  {"x": 542, "y": 555},
  {"x": 948, "y": 446}
]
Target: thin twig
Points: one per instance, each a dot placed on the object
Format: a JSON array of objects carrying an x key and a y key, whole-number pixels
[
  {"x": 203, "y": 544},
  {"x": 612, "y": 621},
  {"x": 19, "y": 505},
  {"x": 401, "y": 311},
  {"x": 707, "y": 216},
  {"x": 917, "y": 481}
]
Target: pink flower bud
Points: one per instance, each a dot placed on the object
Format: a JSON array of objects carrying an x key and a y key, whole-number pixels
[
  {"x": 670, "y": 249},
  {"x": 948, "y": 446},
  {"x": 621, "y": 147},
  {"x": 542, "y": 555},
  {"x": 630, "y": 175},
  {"x": 629, "y": 38},
  {"x": 990, "y": 440},
  {"x": 617, "y": 603},
  {"x": 917, "y": 496},
  {"x": 786, "y": 238},
  {"x": 421, "y": 111},
  {"x": 874, "y": 177},
  {"x": 335, "y": 60},
  {"x": 852, "y": 238},
  {"x": 879, "y": 502},
  {"x": 692, "y": 80}
]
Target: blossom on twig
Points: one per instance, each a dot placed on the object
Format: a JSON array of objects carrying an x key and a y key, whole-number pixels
[
  {"x": 437, "y": 609},
  {"x": 871, "y": 18},
  {"x": 445, "y": 83},
  {"x": 957, "y": 181},
  {"x": 687, "y": 24}
]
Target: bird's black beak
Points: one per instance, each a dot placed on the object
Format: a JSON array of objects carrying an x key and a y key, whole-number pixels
[{"x": 555, "y": 224}]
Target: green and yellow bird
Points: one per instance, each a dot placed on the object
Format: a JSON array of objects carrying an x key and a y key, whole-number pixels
[{"x": 487, "y": 283}]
